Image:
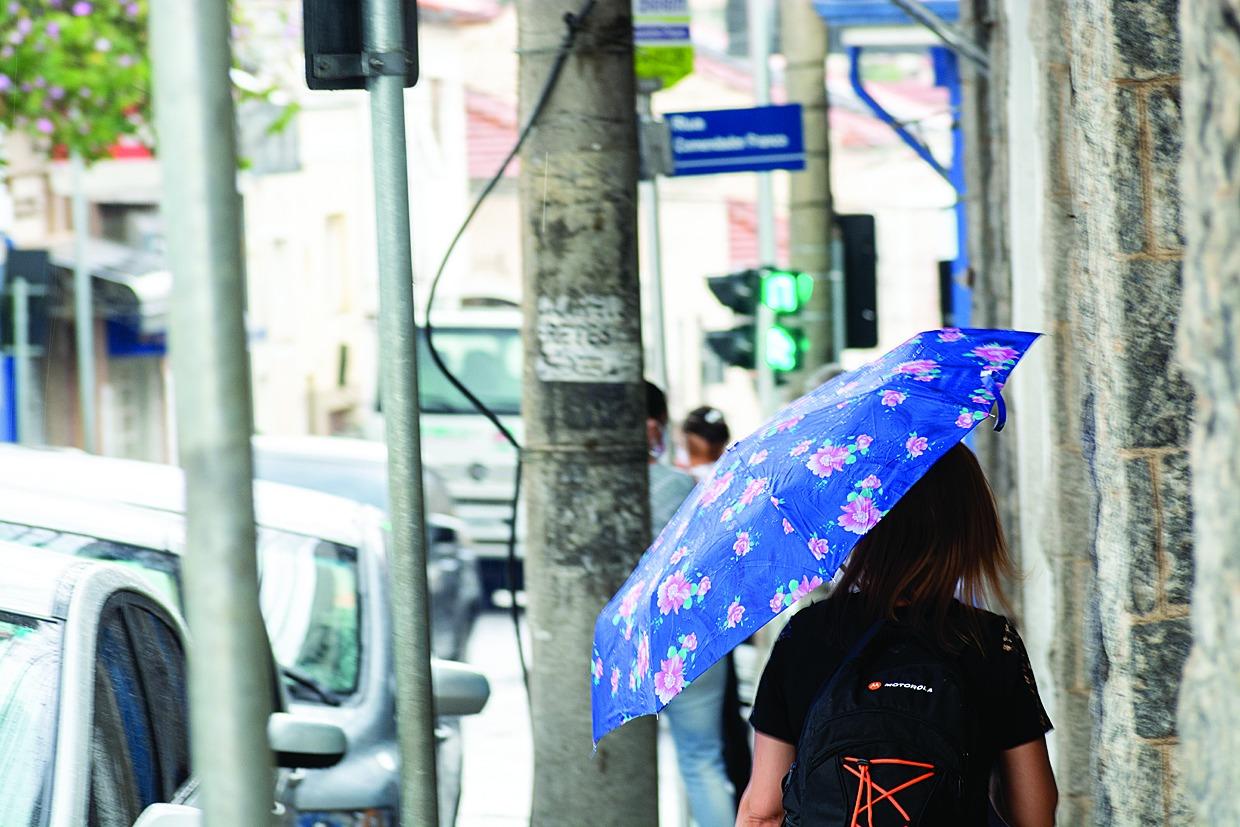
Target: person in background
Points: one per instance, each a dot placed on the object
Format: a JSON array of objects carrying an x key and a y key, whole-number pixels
[
  {"x": 706, "y": 438},
  {"x": 696, "y": 715}
]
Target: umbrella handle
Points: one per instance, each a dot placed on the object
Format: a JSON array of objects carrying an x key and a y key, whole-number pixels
[{"x": 1001, "y": 414}]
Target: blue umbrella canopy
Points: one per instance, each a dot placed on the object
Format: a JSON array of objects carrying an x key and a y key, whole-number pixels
[{"x": 784, "y": 506}]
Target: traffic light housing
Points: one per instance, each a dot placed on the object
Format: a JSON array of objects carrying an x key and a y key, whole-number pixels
[{"x": 783, "y": 292}]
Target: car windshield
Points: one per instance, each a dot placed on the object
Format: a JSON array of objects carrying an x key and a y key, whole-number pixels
[
  {"x": 29, "y": 688},
  {"x": 308, "y": 594},
  {"x": 310, "y": 603},
  {"x": 365, "y": 482},
  {"x": 160, "y": 569},
  {"x": 487, "y": 360}
]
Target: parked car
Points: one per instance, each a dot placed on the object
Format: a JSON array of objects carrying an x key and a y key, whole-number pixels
[
  {"x": 324, "y": 593},
  {"x": 357, "y": 470},
  {"x": 94, "y": 711}
]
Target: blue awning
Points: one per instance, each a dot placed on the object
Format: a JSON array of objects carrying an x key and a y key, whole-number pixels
[{"x": 879, "y": 12}]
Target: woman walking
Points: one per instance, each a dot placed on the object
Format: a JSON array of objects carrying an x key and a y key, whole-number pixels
[{"x": 899, "y": 700}]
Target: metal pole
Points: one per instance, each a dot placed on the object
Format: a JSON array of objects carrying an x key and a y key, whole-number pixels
[
  {"x": 648, "y": 192},
  {"x": 230, "y": 666},
  {"x": 946, "y": 32},
  {"x": 759, "y": 56},
  {"x": 21, "y": 357},
  {"x": 83, "y": 314},
  {"x": 383, "y": 34},
  {"x": 836, "y": 279}
]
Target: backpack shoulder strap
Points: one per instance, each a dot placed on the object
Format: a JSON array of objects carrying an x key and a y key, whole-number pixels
[{"x": 855, "y": 652}]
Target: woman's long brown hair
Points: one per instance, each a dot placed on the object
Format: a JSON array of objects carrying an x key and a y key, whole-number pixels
[{"x": 943, "y": 540}]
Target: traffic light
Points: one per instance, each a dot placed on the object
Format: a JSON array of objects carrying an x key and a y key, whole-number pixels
[
  {"x": 784, "y": 293},
  {"x": 739, "y": 293}
]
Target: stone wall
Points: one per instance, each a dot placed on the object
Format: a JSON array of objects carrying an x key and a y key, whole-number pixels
[
  {"x": 1210, "y": 336},
  {"x": 1121, "y": 525}
]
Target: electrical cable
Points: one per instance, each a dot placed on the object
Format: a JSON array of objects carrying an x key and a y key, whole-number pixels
[{"x": 573, "y": 24}]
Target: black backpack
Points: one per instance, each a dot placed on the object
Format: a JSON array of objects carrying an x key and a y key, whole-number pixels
[{"x": 887, "y": 742}]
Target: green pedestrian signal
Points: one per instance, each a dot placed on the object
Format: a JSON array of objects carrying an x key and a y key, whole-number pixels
[
  {"x": 783, "y": 348},
  {"x": 784, "y": 293}
]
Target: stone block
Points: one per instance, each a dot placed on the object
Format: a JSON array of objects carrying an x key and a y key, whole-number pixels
[
  {"x": 1175, "y": 492},
  {"x": 1155, "y": 406},
  {"x": 1164, "y": 121},
  {"x": 1146, "y": 37},
  {"x": 1127, "y": 170},
  {"x": 1137, "y": 522},
  {"x": 1159, "y": 650}
]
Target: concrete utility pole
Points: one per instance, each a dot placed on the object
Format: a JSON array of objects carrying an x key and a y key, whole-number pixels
[
  {"x": 804, "y": 38},
  {"x": 83, "y": 306},
  {"x": 584, "y": 403},
  {"x": 1210, "y": 353},
  {"x": 230, "y": 668},
  {"x": 383, "y": 35}
]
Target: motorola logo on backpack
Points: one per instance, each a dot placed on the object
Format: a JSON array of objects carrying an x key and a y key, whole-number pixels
[{"x": 899, "y": 756}]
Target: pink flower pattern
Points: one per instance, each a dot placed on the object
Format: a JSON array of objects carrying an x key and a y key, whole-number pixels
[
  {"x": 950, "y": 334},
  {"x": 736, "y": 613},
  {"x": 615, "y": 679},
  {"x": 758, "y": 457},
  {"x": 800, "y": 448},
  {"x": 859, "y": 516},
  {"x": 716, "y": 489},
  {"x": 690, "y": 641},
  {"x": 864, "y": 441},
  {"x": 673, "y": 592},
  {"x": 678, "y": 555},
  {"x": 741, "y": 546},
  {"x": 787, "y": 526},
  {"x": 892, "y": 398},
  {"x": 872, "y": 482},
  {"x": 819, "y": 548},
  {"x": 916, "y": 445},
  {"x": 752, "y": 490},
  {"x": 828, "y": 459},
  {"x": 995, "y": 354},
  {"x": 669, "y": 681},
  {"x": 703, "y": 587},
  {"x": 806, "y": 586},
  {"x": 643, "y": 655},
  {"x": 965, "y": 420}
]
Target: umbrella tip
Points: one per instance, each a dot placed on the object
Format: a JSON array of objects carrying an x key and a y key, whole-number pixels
[{"x": 1001, "y": 412}]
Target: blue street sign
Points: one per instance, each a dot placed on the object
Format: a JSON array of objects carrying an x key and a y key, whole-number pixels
[{"x": 736, "y": 140}]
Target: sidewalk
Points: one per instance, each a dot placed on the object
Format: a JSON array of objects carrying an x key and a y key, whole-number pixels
[{"x": 498, "y": 772}]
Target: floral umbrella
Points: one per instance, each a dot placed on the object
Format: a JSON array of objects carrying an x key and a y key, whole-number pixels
[{"x": 782, "y": 509}]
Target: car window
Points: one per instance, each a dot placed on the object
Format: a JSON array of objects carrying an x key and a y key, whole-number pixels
[
  {"x": 364, "y": 482},
  {"x": 162, "y": 669},
  {"x": 29, "y": 691},
  {"x": 123, "y": 778},
  {"x": 160, "y": 569},
  {"x": 309, "y": 596}
]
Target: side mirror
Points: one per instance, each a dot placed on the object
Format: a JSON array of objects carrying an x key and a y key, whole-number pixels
[
  {"x": 302, "y": 744},
  {"x": 169, "y": 815},
  {"x": 459, "y": 689}
]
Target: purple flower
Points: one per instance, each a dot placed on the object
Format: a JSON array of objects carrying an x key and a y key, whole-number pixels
[
  {"x": 6, "y": 52},
  {"x": 14, "y": 8},
  {"x": 56, "y": 93},
  {"x": 103, "y": 45},
  {"x": 25, "y": 25},
  {"x": 52, "y": 30},
  {"x": 6, "y": 83},
  {"x": 44, "y": 125},
  {"x": 132, "y": 10},
  {"x": 40, "y": 82},
  {"x": 859, "y": 516},
  {"x": 125, "y": 61},
  {"x": 81, "y": 8}
]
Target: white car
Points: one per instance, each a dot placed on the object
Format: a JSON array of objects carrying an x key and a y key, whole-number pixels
[{"x": 94, "y": 714}]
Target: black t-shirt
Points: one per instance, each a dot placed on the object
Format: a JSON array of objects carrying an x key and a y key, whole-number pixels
[{"x": 999, "y": 679}]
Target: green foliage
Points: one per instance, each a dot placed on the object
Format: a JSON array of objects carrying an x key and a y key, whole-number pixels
[{"x": 75, "y": 73}]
